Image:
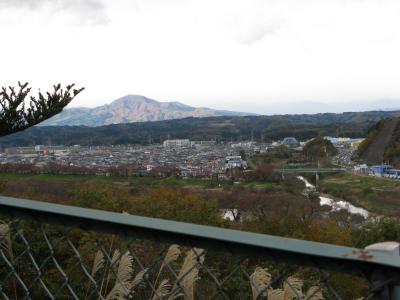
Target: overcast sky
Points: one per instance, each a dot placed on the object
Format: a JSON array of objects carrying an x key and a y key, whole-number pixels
[{"x": 262, "y": 56}]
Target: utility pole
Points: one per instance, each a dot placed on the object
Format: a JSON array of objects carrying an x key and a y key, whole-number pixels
[{"x": 317, "y": 176}]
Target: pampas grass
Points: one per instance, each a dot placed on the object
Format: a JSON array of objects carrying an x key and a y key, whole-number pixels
[
  {"x": 171, "y": 256},
  {"x": 98, "y": 263},
  {"x": 6, "y": 245},
  {"x": 188, "y": 274},
  {"x": 114, "y": 263},
  {"x": 138, "y": 278},
  {"x": 260, "y": 280},
  {"x": 292, "y": 288},
  {"x": 5, "y": 239},
  {"x": 121, "y": 288},
  {"x": 314, "y": 293},
  {"x": 125, "y": 268},
  {"x": 118, "y": 292},
  {"x": 163, "y": 290},
  {"x": 124, "y": 284},
  {"x": 275, "y": 294}
]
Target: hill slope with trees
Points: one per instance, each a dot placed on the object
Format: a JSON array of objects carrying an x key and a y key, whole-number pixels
[
  {"x": 382, "y": 143},
  {"x": 227, "y": 128},
  {"x": 319, "y": 148}
]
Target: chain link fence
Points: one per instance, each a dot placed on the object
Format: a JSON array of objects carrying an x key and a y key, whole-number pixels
[{"x": 51, "y": 251}]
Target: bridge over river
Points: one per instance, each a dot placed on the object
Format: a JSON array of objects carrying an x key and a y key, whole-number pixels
[{"x": 310, "y": 170}]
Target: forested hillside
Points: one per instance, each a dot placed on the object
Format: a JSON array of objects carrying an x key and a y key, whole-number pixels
[
  {"x": 382, "y": 143},
  {"x": 226, "y": 128}
]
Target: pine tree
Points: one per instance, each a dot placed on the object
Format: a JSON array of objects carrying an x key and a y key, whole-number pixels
[{"x": 16, "y": 116}]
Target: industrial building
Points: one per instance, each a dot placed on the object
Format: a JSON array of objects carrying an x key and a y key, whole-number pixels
[
  {"x": 176, "y": 143},
  {"x": 385, "y": 171}
]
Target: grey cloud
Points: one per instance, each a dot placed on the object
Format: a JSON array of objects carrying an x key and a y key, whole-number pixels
[{"x": 85, "y": 11}]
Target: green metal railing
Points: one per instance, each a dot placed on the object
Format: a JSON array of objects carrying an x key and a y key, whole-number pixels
[
  {"x": 310, "y": 170},
  {"x": 51, "y": 251}
]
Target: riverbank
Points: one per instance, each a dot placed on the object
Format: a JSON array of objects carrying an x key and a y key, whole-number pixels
[
  {"x": 335, "y": 204},
  {"x": 377, "y": 195}
]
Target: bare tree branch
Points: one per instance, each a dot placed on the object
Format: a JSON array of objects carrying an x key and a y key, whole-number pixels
[{"x": 15, "y": 117}]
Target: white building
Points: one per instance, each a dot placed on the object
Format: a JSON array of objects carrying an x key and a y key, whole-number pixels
[
  {"x": 235, "y": 162},
  {"x": 176, "y": 143},
  {"x": 243, "y": 145},
  {"x": 362, "y": 168}
]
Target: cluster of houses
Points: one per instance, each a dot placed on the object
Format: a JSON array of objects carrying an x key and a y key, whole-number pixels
[
  {"x": 179, "y": 157},
  {"x": 184, "y": 158}
]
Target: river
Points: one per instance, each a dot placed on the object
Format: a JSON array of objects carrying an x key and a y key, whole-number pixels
[{"x": 335, "y": 205}]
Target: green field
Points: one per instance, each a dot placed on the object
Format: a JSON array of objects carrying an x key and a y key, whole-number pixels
[
  {"x": 378, "y": 195},
  {"x": 131, "y": 182},
  {"x": 49, "y": 177}
]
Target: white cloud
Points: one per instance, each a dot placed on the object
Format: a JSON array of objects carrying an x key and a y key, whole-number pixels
[
  {"x": 225, "y": 54},
  {"x": 81, "y": 11}
]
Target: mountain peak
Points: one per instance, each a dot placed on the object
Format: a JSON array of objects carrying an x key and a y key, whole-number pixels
[
  {"x": 134, "y": 99},
  {"x": 134, "y": 108}
]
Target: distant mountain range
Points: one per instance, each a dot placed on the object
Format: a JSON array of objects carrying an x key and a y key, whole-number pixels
[{"x": 133, "y": 108}]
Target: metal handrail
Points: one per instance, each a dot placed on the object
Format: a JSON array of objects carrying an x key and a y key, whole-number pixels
[{"x": 240, "y": 242}]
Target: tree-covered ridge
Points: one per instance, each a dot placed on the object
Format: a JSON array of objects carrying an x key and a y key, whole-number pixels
[
  {"x": 371, "y": 135},
  {"x": 392, "y": 153},
  {"x": 382, "y": 142},
  {"x": 319, "y": 148},
  {"x": 262, "y": 128}
]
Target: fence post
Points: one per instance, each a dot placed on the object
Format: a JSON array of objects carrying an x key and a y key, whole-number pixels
[{"x": 391, "y": 248}]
